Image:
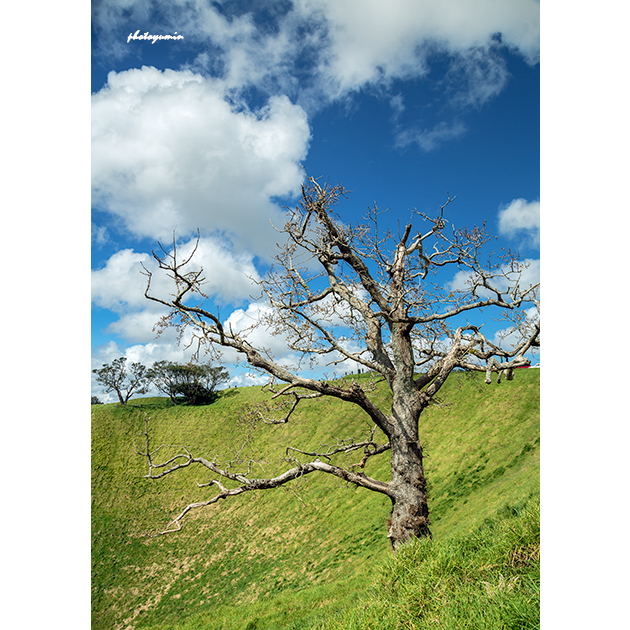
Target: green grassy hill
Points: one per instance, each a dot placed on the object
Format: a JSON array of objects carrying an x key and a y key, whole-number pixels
[{"x": 298, "y": 557}]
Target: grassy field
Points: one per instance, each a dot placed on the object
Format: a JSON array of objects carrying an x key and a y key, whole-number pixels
[{"x": 314, "y": 555}]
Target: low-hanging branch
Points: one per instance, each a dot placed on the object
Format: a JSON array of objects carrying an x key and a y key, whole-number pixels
[{"x": 300, "y": 469}]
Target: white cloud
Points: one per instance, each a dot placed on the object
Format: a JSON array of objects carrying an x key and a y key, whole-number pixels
[
  {"x": 476, "y": 76},
  {"x": 508, "y": 337},
  {"x": 145, "y": 353},
  {"x": 247, "y": 379},
  {"x": 429, "y": 139},
  {"x": 169, "y": 149},
  {"x": 99, "y": 235},
  {"x": 172, "y": 149},
  {"x": 254, "y": 325},
  {"x": 371, "y": 40},
  {"x": 120, "y": 284},
  {"x": 136, "y": 327},
  {"x": 397, "y": 103},
  {"x": 106, "y": 354},
  {"x": 521, "y": 217},
  {"x": 228, "y": 274},
  {"x": 529, "y": 276}
]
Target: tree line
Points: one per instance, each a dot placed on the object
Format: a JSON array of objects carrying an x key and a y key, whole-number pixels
[{"x": 194, "y": 383}]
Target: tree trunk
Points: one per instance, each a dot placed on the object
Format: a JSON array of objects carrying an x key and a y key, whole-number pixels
[{"x": 410, "y": 512}]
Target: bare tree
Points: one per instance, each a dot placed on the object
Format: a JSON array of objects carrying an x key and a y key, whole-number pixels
[{"x": 348, "y": 293}]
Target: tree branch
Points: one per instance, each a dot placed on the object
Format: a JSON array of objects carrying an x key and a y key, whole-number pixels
[{"x": 251, "y": 484}]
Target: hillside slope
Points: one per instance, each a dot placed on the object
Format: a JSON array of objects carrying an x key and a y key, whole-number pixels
[{"x": 285, "y": 556}]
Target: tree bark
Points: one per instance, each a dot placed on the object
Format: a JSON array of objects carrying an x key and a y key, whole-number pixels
[
  {"x": 408, "y": 492},
  {"x": 408, "y": 487}
]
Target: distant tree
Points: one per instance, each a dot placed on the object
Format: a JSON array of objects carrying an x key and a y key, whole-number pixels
[
  {"x": 344, "y": 292},
  {"x": 116, "y": 377},
  {"x": 163, "y": 374},
  {"x": 96, "y": 401},
  {"x": 197, "y": 383}
]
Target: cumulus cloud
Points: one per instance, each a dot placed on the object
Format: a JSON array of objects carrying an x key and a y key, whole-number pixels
[
  {"x": 145, "y": 353},
  {"x": 119, "y": 285},
  {"x": 99, "y": 235},
  {"x": 170, "y": 149},
  {"x": 146, "y": 349},
  {"x": 255, "y": 324},
  {"x": 476, "y": 76},
  {"x": 181, "y": 148},
  {"x": 229, "y": 275},
  {"x": 521, "y": 218},
  {"x": 370, "y": 40},
  {"x": 252, "y": 324},
  {"x": 508, "y": 337},
  {"x": 247, "y": 379},
  {"x": 138, "y": 327}
]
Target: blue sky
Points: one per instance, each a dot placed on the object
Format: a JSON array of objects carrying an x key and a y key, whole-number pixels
[{"x": 401, "y": 102}]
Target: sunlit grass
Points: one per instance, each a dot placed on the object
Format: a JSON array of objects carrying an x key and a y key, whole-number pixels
[{"x": 487, "y": 580}]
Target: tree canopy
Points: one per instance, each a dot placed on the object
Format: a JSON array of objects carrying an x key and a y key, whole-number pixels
[{"x": 196, "y": 382}]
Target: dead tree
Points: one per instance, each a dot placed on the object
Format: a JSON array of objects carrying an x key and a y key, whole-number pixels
[{"x": 349, "y": 293}]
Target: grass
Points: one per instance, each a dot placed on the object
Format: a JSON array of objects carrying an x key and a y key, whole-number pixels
[
  {"x": 487, "y": 580},
  {"x": 297, "y": 557}
]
